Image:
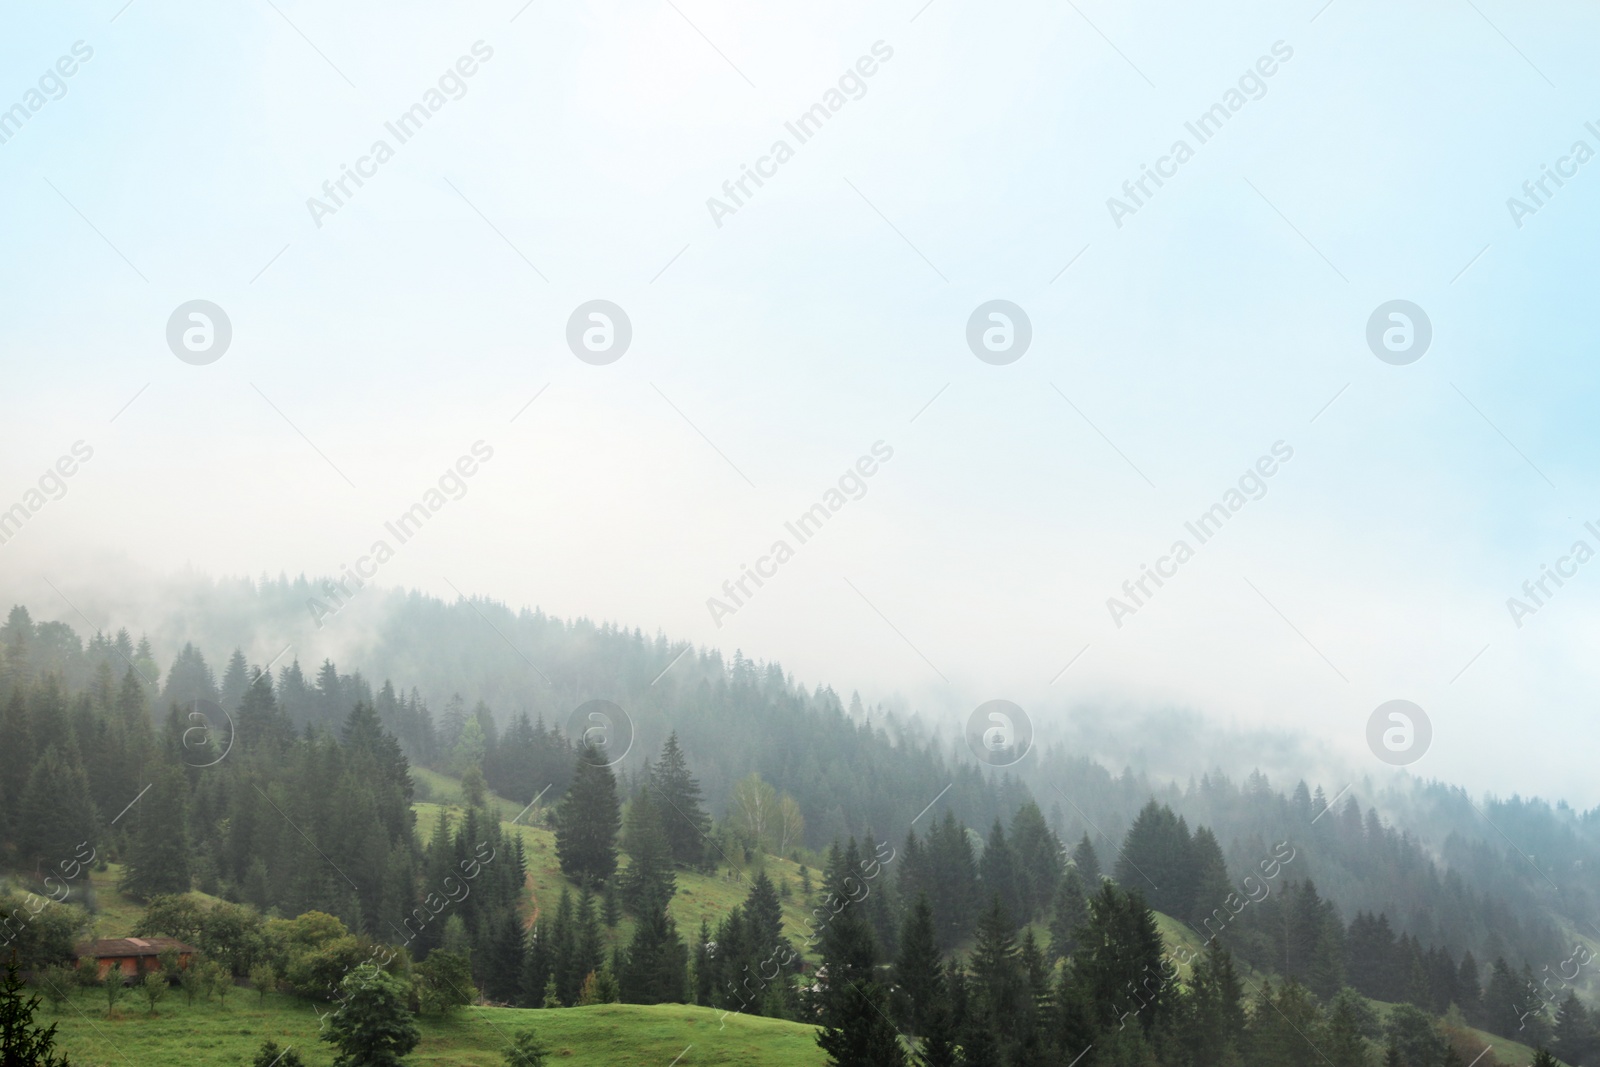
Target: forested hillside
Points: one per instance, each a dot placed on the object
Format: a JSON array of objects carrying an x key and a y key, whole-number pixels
[{"x": 291, "y": 791}]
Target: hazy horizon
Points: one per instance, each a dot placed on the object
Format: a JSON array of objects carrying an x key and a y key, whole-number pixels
[{"x": 1181, "y": 333}]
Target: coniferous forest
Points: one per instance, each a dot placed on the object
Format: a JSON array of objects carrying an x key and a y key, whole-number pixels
[{"x": 270, "y": 818}]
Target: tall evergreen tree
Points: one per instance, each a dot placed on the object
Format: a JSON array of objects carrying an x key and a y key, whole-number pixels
[
  {"x": 1156, "y": 856},
  {"x": 159, "y": 860},
  {"x": 1087, "y": 861},
  {"x": 998, "y": 876},
  {"x": 952, "y": 881},
  {"x": 1070, "y": 911},
  {"x": 587, "y": 822},
  {"x": 919, "y": 970},
  {"x": 1038, "y": 858},
  {"x": 648, "y": 876},
  {"x": 861, "y": 1034},
  {"x": 57, "y": 812},
  {"x": 683, "y": 817},
  {"x": 654, "y": 969}
]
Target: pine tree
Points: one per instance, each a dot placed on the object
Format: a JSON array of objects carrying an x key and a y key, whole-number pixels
[
  {"x": 16, "y": 760},
  {"x": 503, "y": 963},
  {"x": 952, "y": 882},
  {"x": 683, "y": 816},
  {"x": 235, "y": 681},
  {"x": 1070, "y": 912},
  {"x": 1340, "y": 1040},
  {"x": 654, "y": 969},
  {"x": 919, "y": 970},
  {"x": 1213, "y": 1018},
  {"x": 1573, "y": 1036},
  {"x": 997, "y": 875},
  {"x": 587, "y": 822},
  {"x": 703, "y": 967},
  {"x": 21, "y": 1042},
  {"x": 1156, "y": 855},
  {"x": 1211, "y": 885},
  {"x": 1088, "y": 864},
  {"x": 997, "y": 978},
  {"x": 648, "y": 876},
  {"x": 1118, "y": 963},
  {"x": 860, "y": 1034},
  {"x": 159, "y": 859},
  {"x": 847, "y": 946},
  {"x": 57, "y": 813},
  {"x": 1038, "y": 859},
  {"x": 763, "y": 916}
]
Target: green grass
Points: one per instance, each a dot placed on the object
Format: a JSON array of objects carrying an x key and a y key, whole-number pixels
[
  {"x": 700, "y": 896},
  {"x": 605, "y": 1035}
]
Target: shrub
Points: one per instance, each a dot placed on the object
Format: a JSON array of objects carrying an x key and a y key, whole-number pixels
[{"x": 525, "y": 1050}]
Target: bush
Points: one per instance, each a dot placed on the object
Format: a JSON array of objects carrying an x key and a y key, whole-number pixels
[
  {"x": 87, "y": 974},
  {"x": 525, "y": 1050},
  {"x": 271, "y": 1056},
  {"x": 445, "y": 981}
]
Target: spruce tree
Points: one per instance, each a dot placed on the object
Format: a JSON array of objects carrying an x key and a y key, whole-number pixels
[
  {"x": 1088, "y": 863},
  {"x": 683, "y": 815},
  {"x": 703, "y": 969},
  {"x": 1069, "y": 913},
  {"x": 919, "y": 970},
  {"x": 861, "y": 1034},
  {"x": 1573, "y": 1037},
  {"x": 997, "y": 874},
  {"x": 1211, "y": 885},
  {"x": 848, "y": 951},
  {"x": 57, "y": 813},
  {"x": 1038, "y": 859},
  {"x": 587, "y": 822},
  {"x": 763, "y": 916},
  {"x": 159, "y": 859},
  {"x": 997, "y": 979},
  {"x": 21, "y": 1042},
  {"x": 952, "y": 881},
  {"x": 648, "y": 875},
  {"x": 1155, "y": 856},
  {"x": 654, "y": 969}
]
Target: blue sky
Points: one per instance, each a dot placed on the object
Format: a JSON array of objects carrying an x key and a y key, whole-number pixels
[{"x": 771, "y": 352}]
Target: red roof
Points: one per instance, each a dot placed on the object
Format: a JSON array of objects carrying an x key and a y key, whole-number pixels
[{"x": 118, "y": 947}]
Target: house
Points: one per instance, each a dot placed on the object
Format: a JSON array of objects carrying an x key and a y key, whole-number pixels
[{"x": 132, "y": 956}]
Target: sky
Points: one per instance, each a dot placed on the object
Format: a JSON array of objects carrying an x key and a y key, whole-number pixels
[{"x": 782, "y": 334}]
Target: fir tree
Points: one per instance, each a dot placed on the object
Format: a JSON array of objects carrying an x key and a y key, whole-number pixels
[
  {"x": 1038, "y": 859},
  {"x": 57, "y": 813},
  {"x": 648, "y": 876},
  {"x": 159, "y": 860},
  {"x": 683, "y": 815},
  {"x": 1088, "y": 863},
  {"x": 587, "y": 822},
  {"x": 1069, "y": 914},
  {"x": 860, "y": 1034},
  {"x": 21, "y": 1042},
  {"x": 654, "y": 968},
  {"x": 919, "y": 970},
  {"x": 997, "y": 874}
]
